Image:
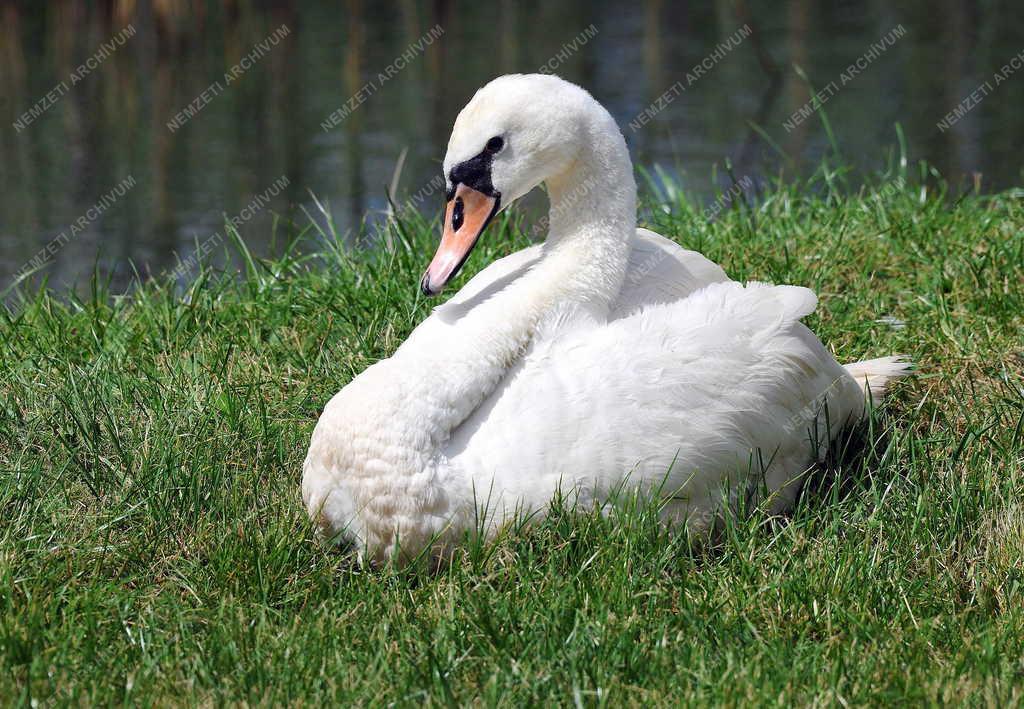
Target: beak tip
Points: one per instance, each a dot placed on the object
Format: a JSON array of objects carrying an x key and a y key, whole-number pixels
[{"x": 425, "y": 286}]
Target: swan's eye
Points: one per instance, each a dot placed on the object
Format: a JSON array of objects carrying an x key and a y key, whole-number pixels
[{"x": 495, "y": 144}]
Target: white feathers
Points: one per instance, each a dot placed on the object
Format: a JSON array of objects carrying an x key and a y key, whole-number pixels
[
  {"x": 606, "y": 354},
  {"x": 874, "y": 375}
]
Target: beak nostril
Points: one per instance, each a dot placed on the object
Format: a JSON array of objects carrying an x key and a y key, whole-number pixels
[{"x": 458, "y": 214}]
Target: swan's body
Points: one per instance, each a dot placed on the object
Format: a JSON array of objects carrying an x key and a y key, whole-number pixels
[{"x": 607, "y": 354}]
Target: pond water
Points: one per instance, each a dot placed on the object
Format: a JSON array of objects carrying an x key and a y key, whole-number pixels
[{"x": 131, "y": 128}]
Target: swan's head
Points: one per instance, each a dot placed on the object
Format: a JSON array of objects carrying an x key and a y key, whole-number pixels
[{"x": 516, "y": 132}]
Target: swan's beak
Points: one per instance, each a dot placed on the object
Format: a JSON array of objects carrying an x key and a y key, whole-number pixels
[{"x": 465, "y": 218}]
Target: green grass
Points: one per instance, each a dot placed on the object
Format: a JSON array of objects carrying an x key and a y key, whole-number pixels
[{"x": 153, "y": 548}]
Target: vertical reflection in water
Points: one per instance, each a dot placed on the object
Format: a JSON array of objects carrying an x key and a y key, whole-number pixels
[
  {"x": 652, "y": 44},
  {"x": 85, "y": 170},
  {"x": 119, "y": 105},
  {"x": 962, "y": 79},
  {"x": 508, "y": 37},
  {"x": 352, "y": 81},
  {"x": 287, "y": 103},
  {"x": 652, "y": 80},
  {"x": 797, "y": 93},
  {"x": 18, "y": 228},
  {"x": 440, "y": 75},
  {"x": 163, "y": 220},
  {"x": 746, "y": 157}
]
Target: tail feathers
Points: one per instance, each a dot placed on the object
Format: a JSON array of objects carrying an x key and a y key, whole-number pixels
[{"x": 875, "y": 375}]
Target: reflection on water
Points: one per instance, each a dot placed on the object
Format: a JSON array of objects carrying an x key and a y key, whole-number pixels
[{"x": 206, "y": 106}]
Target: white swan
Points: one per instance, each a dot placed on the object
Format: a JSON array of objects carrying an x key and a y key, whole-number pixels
[{"x": 607, "y": 354}]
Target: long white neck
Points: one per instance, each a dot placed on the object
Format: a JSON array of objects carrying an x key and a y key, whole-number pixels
[{"x": 592, "y": 220}]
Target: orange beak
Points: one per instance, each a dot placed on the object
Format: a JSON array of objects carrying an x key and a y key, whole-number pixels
[{"x": 465, "y": 218}]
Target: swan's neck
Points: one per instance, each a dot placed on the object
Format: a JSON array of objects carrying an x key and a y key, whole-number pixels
[{"x": 592, "y": 220}]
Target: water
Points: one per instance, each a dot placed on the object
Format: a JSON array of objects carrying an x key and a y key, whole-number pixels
[{"x": 108, "y": 174}]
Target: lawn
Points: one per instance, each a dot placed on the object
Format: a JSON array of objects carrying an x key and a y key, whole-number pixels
[{"x": 154, "y": 549}]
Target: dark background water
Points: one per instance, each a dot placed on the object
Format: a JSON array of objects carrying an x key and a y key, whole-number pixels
[{"x": 267, "y": 124}]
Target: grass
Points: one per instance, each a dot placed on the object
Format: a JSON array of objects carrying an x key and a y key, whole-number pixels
[{"x": 153, "y": 548}]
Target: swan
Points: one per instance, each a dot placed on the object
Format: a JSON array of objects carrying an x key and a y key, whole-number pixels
[{"x": 605, "y": 357}]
